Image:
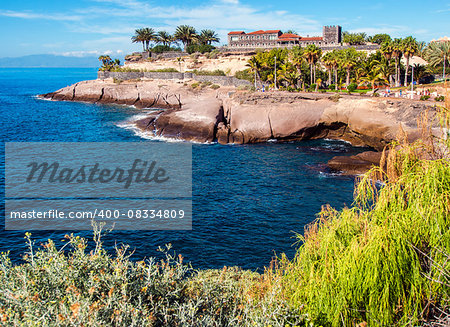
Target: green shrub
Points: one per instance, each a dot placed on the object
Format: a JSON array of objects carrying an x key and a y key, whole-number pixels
[
  {"x": 216, "y": 72},
  {"x": 215, "y": 86},
  {"x": 439, "y": 98},
  {"x": 164, "y": 48},
  {"x": 73, "y": 286},
  {"x": 384, "y": 261},
  {"x": 195, "y": 85},
  {"x": 202, "y": 48},
  {"x": 352, "y": 87},
  {"x": 332, "y": 87},
  {"x": 424, "y": 97},
  {"x": 245, "y": 74}
]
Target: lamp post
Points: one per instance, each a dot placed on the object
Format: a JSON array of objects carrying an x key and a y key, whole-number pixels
[{"x": 412, "y": 79}]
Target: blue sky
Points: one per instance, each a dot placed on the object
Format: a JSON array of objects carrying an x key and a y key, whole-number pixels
[{"x": 95, "y": 27}]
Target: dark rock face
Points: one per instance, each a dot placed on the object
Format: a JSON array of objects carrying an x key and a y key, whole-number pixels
[
  {"x": 354, "y": 165},
  {"x": 228, "y": 116}
]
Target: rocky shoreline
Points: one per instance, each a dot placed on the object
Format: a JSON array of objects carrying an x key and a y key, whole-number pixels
[{"x": 228, "y": 115}]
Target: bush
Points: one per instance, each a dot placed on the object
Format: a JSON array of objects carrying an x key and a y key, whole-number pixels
[
  {"x": 164, "y": 48},
  {"x": 195, "y": 85},
  {"x": 424, "y": 97},
  {"x": 215, "y": 86},
  {"x": 352, "y": 87},
  {"x": 202, "y": 48},
  {"x": 384, "y": 261},
  {"x": 77, "y": 287},
  {"x": 245, "y": 74},
  {"x": 332, "y": 87},
  {"x": 216, "y": 72},
  {"x": 439, "y": 98}
]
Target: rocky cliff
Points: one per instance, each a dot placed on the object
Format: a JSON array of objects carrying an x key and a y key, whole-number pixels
[{"x": 231, "y": 116}]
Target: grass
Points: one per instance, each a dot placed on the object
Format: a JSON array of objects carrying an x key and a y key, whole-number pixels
[{"x": 385, "y": 261}]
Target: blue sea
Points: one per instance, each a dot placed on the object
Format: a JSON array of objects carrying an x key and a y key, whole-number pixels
[{"x": 249, "y": 201}]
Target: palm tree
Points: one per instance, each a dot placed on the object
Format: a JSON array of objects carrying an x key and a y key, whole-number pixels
[
  {"x": 438, "y": 53},
  {"x": 186, "y": 34},
  {"x": 312, "y": 54},
  {"x": 208, "y": 36},
  {"x": 420, "y": 71},
  {"x": 397, "y": 53},
  {"x": 348, "y": 61},
  {"x": 385, "y": 69},
  {"x": 164, "y": 37},
  {"x": 144, "y": 35},
  {"x": 296, "y": 58},
  {"x": 328, "y": 62},
  {"x": 373, "y": 77},
  {"x": 139, "y": 37},
  {"x": 255, "y": 67},
  {"x": 410, "y": 48}
]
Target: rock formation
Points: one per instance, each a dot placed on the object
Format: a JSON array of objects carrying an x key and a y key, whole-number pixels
[{"x": 227, "y": 115}]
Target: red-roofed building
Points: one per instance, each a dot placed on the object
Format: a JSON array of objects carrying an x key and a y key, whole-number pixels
[{"x": 275, "y": 38}]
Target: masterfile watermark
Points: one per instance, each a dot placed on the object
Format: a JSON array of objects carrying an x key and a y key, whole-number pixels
[
  {"x": 143, "y": 185},
  {"x": 141, "y": 172}
]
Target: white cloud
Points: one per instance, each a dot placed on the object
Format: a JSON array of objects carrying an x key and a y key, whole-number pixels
[
  {"x": 235, "y": 2},
  {"x": 32, "y": 15},
  {"x": 89, "y": 53}
]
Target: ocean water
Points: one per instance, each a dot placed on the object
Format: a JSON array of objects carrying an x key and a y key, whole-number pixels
[{"x": 249, "y": 201}]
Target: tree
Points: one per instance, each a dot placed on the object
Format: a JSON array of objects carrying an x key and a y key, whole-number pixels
[
  {"x": 354, "y": 38},
  {"x": 373, "y": 77},
  {"x": 410, "y": 48},
  {"x": 290, "y": 32},
  {"x": 255, "y": 67},
  {"x": 312, "y": 54},
  {"x": 397, "y": 53},
  {"x": 380, "y": 38},
  {"x": 165, "y": 38},
  {"x": 297, "y": 59},
  {"x": 328, "y": 62},
  {"x": 186, "y": 34},
  {"x": 348, "y": 60},
  {"x": 438, "y": 53},
  {"x": 139, "y": 37},
  {"x": 144, "y": 35},
  {"x": 108, "y": 63},
  {"x": 208, "y": 36}
]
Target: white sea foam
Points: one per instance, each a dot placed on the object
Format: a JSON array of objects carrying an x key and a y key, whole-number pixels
[{"x": 130, "y": 124}]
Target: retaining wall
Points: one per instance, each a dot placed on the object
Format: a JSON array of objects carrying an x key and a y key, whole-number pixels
[{"x": 221, "y": 80}]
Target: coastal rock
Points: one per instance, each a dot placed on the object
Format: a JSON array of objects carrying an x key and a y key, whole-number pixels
[
  {"x": 357, "y": 164},
  {"x": 232, "y": 116}
]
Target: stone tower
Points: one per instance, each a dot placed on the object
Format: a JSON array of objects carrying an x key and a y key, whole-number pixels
[{"x": 332, "y": 34}]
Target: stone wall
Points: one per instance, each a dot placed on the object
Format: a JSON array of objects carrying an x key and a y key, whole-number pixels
[
  {"x": 168, "y": 55},
  {"x": 221, "y": 80},
  {"x": 367, "y": 47}
]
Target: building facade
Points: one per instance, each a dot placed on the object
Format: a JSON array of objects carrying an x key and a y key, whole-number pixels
[{"x": 332, "y": 36}]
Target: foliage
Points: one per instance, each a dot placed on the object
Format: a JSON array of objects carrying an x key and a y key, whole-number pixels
[
  {"x": 354, "y": 38},
  {"x": 165, "y": 38},
  {"x": 424, "y": 97},
  {"x": 385, "y": 261},
  {"x": 215, "y": 86},
  {"x": 245, "y": 75},
  {"x": 108, "y": 64},
  {"x": 380, "y": 38},
  {"x": 439, "y": 98},
  {"x": 208, "y": 37},
  {"x": 164, "y": 48},
  {"x": 186, "y": 34},
  {"x": 216, "y": 72},
  {"x": 352, "y": 87},
  {"x": 202, "y": 48},
  {"x": 436, "y": 51},
  {"x": 75, "y": 287},
  {"x": 144, "y": 36}
]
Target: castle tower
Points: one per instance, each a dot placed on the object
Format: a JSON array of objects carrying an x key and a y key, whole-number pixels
[{"x": 332, "y": 34}]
